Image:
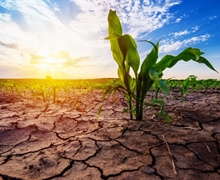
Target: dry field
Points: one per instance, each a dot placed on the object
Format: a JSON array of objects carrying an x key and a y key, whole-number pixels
[{"x": 68, "y": 140}]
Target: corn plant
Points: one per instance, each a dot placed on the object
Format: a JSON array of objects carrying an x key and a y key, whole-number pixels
[
  {"x": 207, "y": 84},
  {"x": 193, "y": 82},
  {"x": 38, "y": 90},
  {"x": 156, "y": 88},
  {"x": 9, "y": 86},
  {"x": 186, "y": 84},
  {"x": 124, "y": 51},
  {"x": 216, "y": 84}
]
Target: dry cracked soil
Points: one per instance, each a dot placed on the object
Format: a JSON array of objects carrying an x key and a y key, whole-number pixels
[{"x": 68, "y": 140}]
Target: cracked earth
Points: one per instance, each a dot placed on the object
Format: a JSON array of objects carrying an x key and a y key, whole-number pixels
[{"x": 68, "y": 140}]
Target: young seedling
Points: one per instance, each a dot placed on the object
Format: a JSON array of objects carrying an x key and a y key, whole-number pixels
[
  {"x": 184, "y": 88},
  {"x": 124, "y": 51}
]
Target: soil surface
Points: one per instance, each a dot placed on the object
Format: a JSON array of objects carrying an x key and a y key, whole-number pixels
[{"x": 68, "y": 140}]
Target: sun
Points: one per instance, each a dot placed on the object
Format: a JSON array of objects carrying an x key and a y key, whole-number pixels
[{"x": 51, "y": 64}]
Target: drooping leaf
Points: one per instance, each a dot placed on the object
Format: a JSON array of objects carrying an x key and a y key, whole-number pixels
[
  {"x": 206, "y": 62},
  {"x": 194, "y": 54}
]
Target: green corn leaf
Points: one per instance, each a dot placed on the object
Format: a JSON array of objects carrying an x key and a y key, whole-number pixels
[
  {"x": 128, "y": 82},
  {"x": 124, "y": 51},
  {"x": 144, "y": 75},
  {"x": 194, "y": 54},
  {"x": 114, "y": 32},
  {"x": 149, "y": 61},
  {"x": 206, "y": 62},
  {"x": 155, "y": 76},
  {"x": 163, "y": 63},
  {"x": 114, "y": 24},
  {"x": 145, "y": 86},
  {"x": 124, "y": 77},
  {"x": 121, "y": 73},
  {"x": 129, "y": 50},
  {"x": 116, "y": 52},
  {"x": 164, "y": 87},
  {"x": 113, "y": 37}
]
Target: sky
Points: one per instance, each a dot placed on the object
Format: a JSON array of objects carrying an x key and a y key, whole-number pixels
[{"x": 65, "y": 38}]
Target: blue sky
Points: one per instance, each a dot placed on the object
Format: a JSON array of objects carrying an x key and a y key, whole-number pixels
[{"x": 65, "y": 38}]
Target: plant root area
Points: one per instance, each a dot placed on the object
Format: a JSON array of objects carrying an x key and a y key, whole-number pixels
[{"x": 68, "y": 140}]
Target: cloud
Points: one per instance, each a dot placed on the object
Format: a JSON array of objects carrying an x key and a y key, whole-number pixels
[
  {"x": 36, "y": 59},
  {"x": 185, "y": 32},
  {"x": 72, "y": 31},
  {"x": 181, "y": 33},
  {"x": 137, "y": 16},
  {"x": 9, "y": 45},
  {"x": 61, "y": 59},
  {"x": 170, "y": 46},
  {"x": 178, "y": 20},
  {"x": 44, "y": 29},
  {"x": 194, "y": 29},
  {"x": 176, "y": 41},
  {"x": 5, "y": 17},
  {"x": 77, "y": 62},
  {"x": 213, "y": 17}
]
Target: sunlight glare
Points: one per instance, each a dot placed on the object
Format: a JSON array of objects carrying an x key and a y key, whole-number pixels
[{"x": 50, "y": 64}]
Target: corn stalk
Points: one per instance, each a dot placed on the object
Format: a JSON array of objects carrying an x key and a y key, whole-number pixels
[{"x": 124, "y": 51}]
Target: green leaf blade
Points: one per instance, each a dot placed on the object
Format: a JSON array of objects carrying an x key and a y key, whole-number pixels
[
  {"x": 149, "y": 61},
  {"x": 129, "y": 50},
  {"x": 188, "y": 54},
  {"x": 114, "y": 24}
]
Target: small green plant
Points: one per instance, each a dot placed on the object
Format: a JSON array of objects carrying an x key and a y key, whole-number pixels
[
  {"x": 189, "y": 82},
  {"x": 207, "y": 84},
  {"x": 124, "y": 51}
]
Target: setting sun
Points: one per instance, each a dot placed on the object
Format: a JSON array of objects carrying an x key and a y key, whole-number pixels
[{"x": 50, "y": 64}]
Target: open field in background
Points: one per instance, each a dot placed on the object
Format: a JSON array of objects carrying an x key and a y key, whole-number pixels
[
  {"x": 59, "y": 89},
  {"x": 51, "y": 129}
]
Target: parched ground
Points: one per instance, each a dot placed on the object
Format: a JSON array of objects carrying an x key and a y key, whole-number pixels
[{"x": 67, "y": 140}]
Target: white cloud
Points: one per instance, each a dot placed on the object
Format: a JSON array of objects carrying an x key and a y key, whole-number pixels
[
  {"x": 82, "y": 34},
  {"x": 181, "y": 33},
  {"x": 178, "y": 20},
  {"x": 174, "y": 46},
  {"x": 5, "y": 17},
  {"x": 185, "y": 32},
  {"x": 169, "y": 45},
  {"x": 90, "y": 24},
  {"x": 213, "y": 17},
  {"x": 194, "y": 29},
  {"x": 138, "y": 16}
]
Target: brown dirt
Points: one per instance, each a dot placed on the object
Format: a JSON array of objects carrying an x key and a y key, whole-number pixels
[{"x": 67, "y": 139}]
